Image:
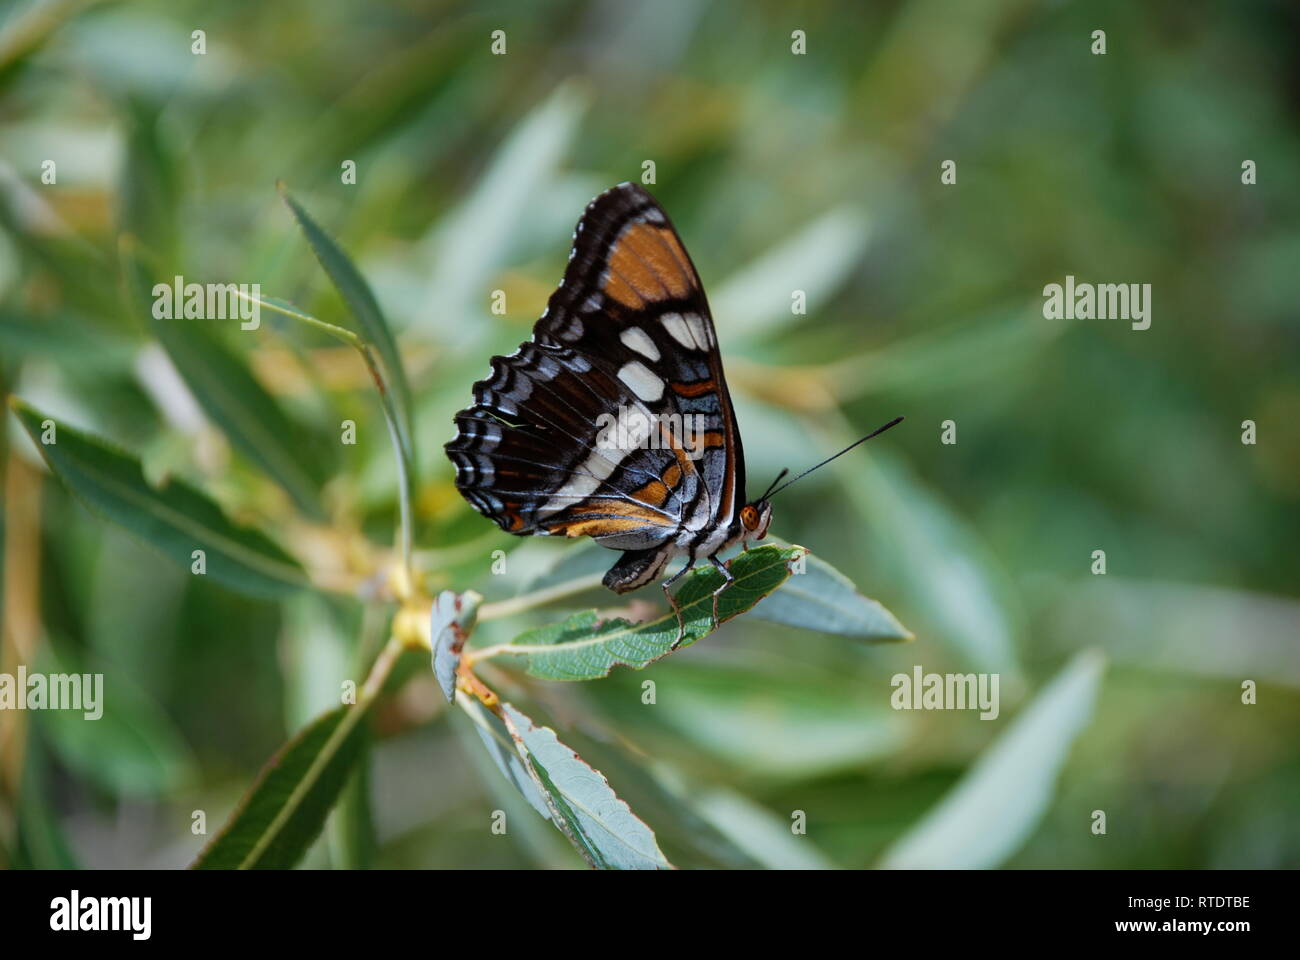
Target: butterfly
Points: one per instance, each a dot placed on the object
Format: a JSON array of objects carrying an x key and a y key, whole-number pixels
[{"x": 614, "y": 421}]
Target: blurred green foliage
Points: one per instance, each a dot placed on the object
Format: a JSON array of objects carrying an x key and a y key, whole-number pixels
[{"x": 819, "y": 173}]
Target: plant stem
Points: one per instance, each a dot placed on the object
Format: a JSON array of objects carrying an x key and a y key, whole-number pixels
[
  {"x": 400, "y": 450},
  {"x": 380, "y": 670},
  {"x": 526, "y": 601},
  {"x": 403, "y": 495}
]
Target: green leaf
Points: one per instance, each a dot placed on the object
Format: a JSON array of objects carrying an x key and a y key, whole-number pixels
[
  {"x": 230, "y": 396},
  {"x": 577, "y": 568},
  {"x": 961, "y": 356},
  {"x": 356, "y": 293},
  {"x": 351, "y": 828},
  {"x": 316, "y": 652},
  {"x": 992, "y": 811},
  {"x": 500, "y": 746},
  {"x": 131, "y": 749},
  {"x": 662, "y": 794},
  {"x": 575, "y": 580},
  {"x": 584, "y": 648},
  {"x": 176, "y": 519},
  {"x": 600, "y": 825},
  {"x": 392, "y": 416},
  {"x": 935, "y": 559},
  {"x": 823, "y": 599},
  {"x": 151, "y": 195},
  {"x": 453, "y": 618},
  {"x": 283, "y": 813},
  {"x": 46, "y": 239},
  {"x": 66, "y": 339},
  {"x": 756, "y": 299},
  {"x": 42, "y": 843},
  {"x": 786, "y": 720},
  {"x": 27, "y": 29},
  {"x": 1180, "y": 627},
  {"x": 533, "y": 836},
  {"x": 761, "y": 834},
  {"x": 474, "y": 241}
]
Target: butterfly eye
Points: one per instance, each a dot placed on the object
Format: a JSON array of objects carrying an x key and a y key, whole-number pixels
[{"x": 749, "y": 517}]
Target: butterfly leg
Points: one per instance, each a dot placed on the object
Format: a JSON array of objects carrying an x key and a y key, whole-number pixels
[
  {"x": 672, "y": 602},
  {"x": 727, "y": 580}
]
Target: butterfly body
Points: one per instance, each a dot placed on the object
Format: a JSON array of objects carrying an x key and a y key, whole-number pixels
[{"x": 614, "y": 421}]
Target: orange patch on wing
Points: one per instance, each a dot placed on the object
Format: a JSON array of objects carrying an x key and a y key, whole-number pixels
[
  {"x": 684, "y": 461},
  {"x": 653, "y": 493},
  {"x": 511, "y": 513},
  {"x": 595, "y": 527},
  {"x": 618, "y": 289},
  {"x": 631, "y": 517},
  {"x": 679, "y": 260},
  {"x": 714, "y": 439},
  {"x": 647, "y": 263},
  {"x": 605, "y": 506},
  {"x": 694, "y": 389},
  {"x": 672, "y": 475}
]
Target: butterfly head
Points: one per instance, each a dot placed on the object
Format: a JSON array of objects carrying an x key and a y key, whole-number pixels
[{"x": 754, "y": 518}]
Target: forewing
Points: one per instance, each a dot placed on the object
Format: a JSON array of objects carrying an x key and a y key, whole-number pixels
[{"x": 626, "y": 339}]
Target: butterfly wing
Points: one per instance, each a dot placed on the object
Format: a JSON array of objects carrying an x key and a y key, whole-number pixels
[{"x": 626, "y": 335}]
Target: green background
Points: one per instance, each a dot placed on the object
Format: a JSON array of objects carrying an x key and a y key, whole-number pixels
[{"x": 817, "y": 172}]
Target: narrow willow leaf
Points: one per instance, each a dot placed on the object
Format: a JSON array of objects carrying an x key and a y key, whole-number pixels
[
  {"x": 937, "y": 561},
  {"x": 150, "y": 186},
  {"x": 977, "y": 350},
  {"x": 542, "y": 845},
  {"x": 65, "y": 339},
  {"x": 601, "y": 826},
  {"x": 26, "y": 30},
  {"x": 317, "y": 646},
  {"x": 48, "y": 239},
  {"x": 760, "y": 833},
  {"x": 176, "y": 519},
  {"x": 661, "y": 795},
  {"x": 757, "y": 299},
  {"x": 790, "y": 721},
  {"x": 393, "y": 417},
  {"x": 42, "y": 843},
  {"x": 357, "y": 294},
  {"x": 245, "y": 412},
  {"x": 577, "y": 566},
  {"x": 997, "y": 804},
  {"x": 469, "y": 246},
  {"x": 284, "y": 812},
  {"x": 584, "y": 648},
  {"x": 136, "y": 750},
  {"x": 230, "y": 396},
  {"x": 500, "y": 746},
  {"x": 823, "y": 599},
  {"x": 1180, "y": 627},
  {"x": 351, "y": 829},
  {"x": 453, "y": 618}
]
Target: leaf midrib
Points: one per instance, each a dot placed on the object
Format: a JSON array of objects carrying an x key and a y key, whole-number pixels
[{"x": 576, "y": 802}]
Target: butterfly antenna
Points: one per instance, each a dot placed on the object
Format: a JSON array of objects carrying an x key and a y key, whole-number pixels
[
  {"x": 772, "y": 485},
  {"x": 874, "y": 433}
]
